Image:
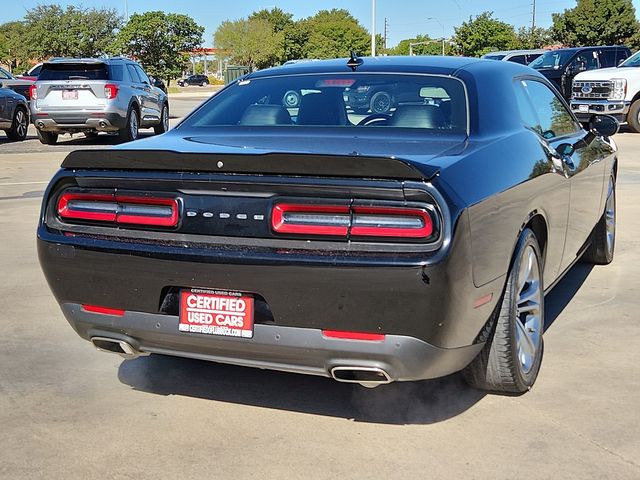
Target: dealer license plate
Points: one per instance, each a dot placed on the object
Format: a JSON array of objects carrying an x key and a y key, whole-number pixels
[
  {"x": 214, "y": 312},
  {"x": 69, "y": 94},
  {"x": 583, "y": 108}
]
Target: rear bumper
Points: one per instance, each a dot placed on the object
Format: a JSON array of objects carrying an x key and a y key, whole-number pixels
[
  {"x": 290, "y": 349},
  {"x": 78, "y": 121}
]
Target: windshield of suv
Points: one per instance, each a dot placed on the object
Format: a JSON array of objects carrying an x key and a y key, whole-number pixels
[
  {"x": 73, "y": 71},
  {"x": 494, "y": 57},
  {"x": 352, "y": 100},
  {"x": 632, "y": 61},
  {"x": 554, "y": 59}
]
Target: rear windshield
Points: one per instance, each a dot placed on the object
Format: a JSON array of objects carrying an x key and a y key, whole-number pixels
[
  {"x": 74, "y": 71},
  {"x": 426, "y": 102}
]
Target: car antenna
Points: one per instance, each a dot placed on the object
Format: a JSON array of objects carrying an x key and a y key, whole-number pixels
[{"x": 354, "y": 62}]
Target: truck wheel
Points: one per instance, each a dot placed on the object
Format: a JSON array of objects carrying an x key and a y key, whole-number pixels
[
  {"x": 19, "y": 126},
  {"x": 47, "y": 138},
  {"x": 380, "y": 102},
  {"x": 603, "y": 236},
  {"x": 163, "y": 126},
  {"x": 510, "y": 360},
  {"x": 633, "y": 117},
  {"x": 130, "y": 131}
]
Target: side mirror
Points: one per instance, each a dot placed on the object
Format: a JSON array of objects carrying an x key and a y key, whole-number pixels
[{"x": 603, "y": 125}]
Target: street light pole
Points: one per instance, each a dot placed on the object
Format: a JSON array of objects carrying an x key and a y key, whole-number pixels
[
  {"x": 373, "y": 28},
  {"x": 126, "y": 10},
  {"x": 440, "y": 23}
]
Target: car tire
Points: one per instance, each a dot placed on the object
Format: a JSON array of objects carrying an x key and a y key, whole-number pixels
[
  {"x": 163, "y": 126},
  {"x": 603, "y": 237},
  {"x": 19, "y": 125},
  {"x": 130, "y": 131},
  {"x": 291, "y": 99},
  {"x": 47, "y": 138},
  {"x": 510, "y": 359},
  {"x": 380, "y": 102},
  {"x": 633, "y": 117},
  {"x": 204, "y": 84}
]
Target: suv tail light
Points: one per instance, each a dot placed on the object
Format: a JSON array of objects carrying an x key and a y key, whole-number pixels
[
  {"x": 33, "y": 92},
  {"x": 354, "y": 221},
  {"x": 110, "y": 91},
  {"x": 113, "y": 208}
]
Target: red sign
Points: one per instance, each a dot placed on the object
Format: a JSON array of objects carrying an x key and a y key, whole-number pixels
[{"x": 216, "y": 313}]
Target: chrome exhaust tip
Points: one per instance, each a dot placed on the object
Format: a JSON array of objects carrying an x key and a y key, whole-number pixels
[
  {"x": 40, "y": 124},
  {"x": 369, "y": 377},
  {"x": 119, "y": 347},
  {"x": 103, "y": 125}
]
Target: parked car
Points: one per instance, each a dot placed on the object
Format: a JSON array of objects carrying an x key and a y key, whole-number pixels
[
  {"x": 614, "y": 91},
  {"x": 199, "y": 80},
  {"x": 14, "y": 114},
  {"x": 19, "y": 85},
  {"x": 561, "y": 66},
  {"x": 394, "y": 247},
  {"x": 523, "y": 57},
  {"x": 93, "y": 95},
  {"x": 32, "y": 73}
]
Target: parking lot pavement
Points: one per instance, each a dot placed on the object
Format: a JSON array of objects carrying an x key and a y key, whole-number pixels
[
  {"x": 179, "y": 106},
  {"x": 67, "y": 411}
]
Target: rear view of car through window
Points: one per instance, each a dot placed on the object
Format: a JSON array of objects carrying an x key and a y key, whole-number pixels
[{"x": 428, "y": 102}]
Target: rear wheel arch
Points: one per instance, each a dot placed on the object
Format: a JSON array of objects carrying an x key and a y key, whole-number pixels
[{"x": 538, "y": 224}]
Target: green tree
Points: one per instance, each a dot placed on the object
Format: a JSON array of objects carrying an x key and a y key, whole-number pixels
[
  {"x": 292, "y": 36},
  {"x": 13, "y": 49},
  {"x": 537, "y": 38},
  {"x": 160, "y": 41},
  {"x": 335, "y": 33},
  {"x": 51, "y": 31},
  {"x": 484, "y": 34},
  {"x": 252, "y": 42},
  {"x": 596, "y": 22}
]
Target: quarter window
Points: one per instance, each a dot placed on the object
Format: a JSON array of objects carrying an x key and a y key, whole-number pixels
[
  {"x": 133, "y": 74},
  {"x": 543, "y": 111}
]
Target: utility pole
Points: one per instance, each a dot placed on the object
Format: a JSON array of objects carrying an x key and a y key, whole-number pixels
[
  {"x": 126, "y": 10},
  {"x": 373, "y": 28},
  {"x": 386, "y": 31},
  {"x": 533, "y": 17}
]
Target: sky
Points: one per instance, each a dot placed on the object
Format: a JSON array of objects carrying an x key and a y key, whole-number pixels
[{"x": 405, "y": 18}]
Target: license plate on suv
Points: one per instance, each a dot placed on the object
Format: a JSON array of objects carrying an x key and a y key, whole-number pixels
[
  {"x": 69, "y": 94},
  {"x": 215, "y": 312}
]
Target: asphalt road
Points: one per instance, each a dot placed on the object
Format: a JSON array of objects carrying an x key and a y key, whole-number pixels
[{"x": 67, "y": 411}]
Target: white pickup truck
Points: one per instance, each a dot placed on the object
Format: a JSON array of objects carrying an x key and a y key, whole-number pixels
[{"x": 612, "y": 91}]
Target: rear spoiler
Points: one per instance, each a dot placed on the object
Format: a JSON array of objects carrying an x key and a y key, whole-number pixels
[{"x": 264, "y": 164}]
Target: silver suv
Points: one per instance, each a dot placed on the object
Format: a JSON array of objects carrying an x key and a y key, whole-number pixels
[{"x": 96, "y": 95}]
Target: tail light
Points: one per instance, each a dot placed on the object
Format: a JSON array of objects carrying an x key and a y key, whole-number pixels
[
  {"x": 110, "y": 91},
  {"x": 118, "y": 209},
  {"x": 33, "y": 92},
  {"x": 311, "y": 219},
  {"x": 353, "y": 221}
]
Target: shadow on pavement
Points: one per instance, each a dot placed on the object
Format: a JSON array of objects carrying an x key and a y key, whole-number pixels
[
  {"x": 401, "y": 403},
  {"x": 558, "y": 299}
]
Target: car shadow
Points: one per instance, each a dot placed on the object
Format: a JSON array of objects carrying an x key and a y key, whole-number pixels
[
  {"x": 425, "y": 402},
  {"x": 557, "y": 300},
  {"x": 102, "y": 139}
]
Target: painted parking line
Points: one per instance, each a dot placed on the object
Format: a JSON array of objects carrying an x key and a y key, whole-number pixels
[{"x": 22, "y": 183}]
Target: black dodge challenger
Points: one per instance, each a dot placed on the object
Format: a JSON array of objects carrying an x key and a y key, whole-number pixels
[{"x": 368, "y": 247}]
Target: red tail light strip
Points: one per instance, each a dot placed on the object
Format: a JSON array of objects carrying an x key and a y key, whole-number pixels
[
  {"x": 103, "y": 310},
  {"x": 391, "y": 222},
  {"x": 344, "y": 335},
  {"x": 357, "y": 221},
  {"x": 110, "y": 91},
  {"x": 150, "y": 211},
  {"x": 311, "y": 219}
]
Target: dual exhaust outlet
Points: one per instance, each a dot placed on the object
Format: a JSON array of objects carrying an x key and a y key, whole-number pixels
[{"x": 369, "y": 377}]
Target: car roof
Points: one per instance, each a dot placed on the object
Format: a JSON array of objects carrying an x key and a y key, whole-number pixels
[
  {"x": 58, "y": 60},
  {"x": 518, "y": 52},
  {"x": 578, "y": 49},
  {"x": 426, "y": 64}
]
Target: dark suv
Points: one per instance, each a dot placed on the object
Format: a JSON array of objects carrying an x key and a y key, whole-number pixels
[
  {"x": 560, "y": 66},
  {"x": 201, "y": 80}
]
